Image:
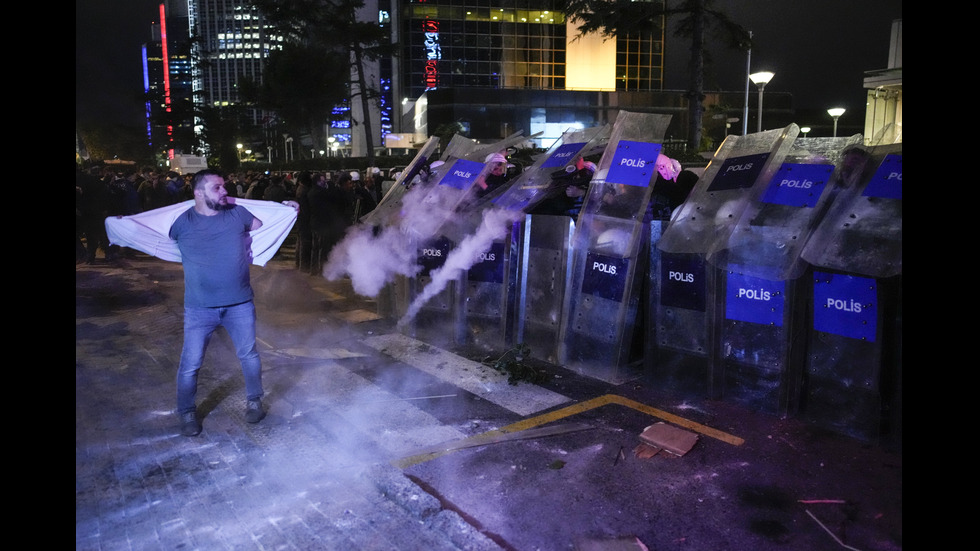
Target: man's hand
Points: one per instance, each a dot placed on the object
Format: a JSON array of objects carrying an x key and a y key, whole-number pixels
[{"x": 293, "y": 204}]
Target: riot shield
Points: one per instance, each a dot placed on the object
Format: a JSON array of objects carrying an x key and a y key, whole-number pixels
[
  {"x": 534, "y": 184},
  {"x": 769, "y": 236},
  {"x": 390, "y": 204},
  {"x": 489, "y": 252},
  {"x": 600, "y": 305},
  {"x": 447, "y": 243},
  {"x": 388, "y": 243},
  {"x": 862, "y": 230},
  {"x": 731, "y": 180},
  {"x": 854, "y": 367},
  {"x": 461, "y": 147}
]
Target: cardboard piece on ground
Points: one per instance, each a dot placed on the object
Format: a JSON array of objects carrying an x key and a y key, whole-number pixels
[
  {"x": 645, "y": 451},
  {"x": 669, "y": 438}
]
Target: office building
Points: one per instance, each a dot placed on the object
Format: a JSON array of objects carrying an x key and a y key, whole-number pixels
[
  {"x": 488, "y": 68},
  {"x": 495, "y": 67},
  {"x": 167, "y": 81}
]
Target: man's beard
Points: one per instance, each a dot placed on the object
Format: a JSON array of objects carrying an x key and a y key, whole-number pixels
[{"x": 214, "y": 205}]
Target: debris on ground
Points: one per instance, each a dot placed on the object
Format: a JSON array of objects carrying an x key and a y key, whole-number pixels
[
  {"x": 512, "y": 363},
  {"x": 663, "y": 437}
]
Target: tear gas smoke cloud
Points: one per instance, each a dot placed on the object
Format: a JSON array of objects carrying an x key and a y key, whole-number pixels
[
  {"x": 371, "y": 260},
  {"x": 372, "y": 257},
  {"x": 495, "y": 223}
]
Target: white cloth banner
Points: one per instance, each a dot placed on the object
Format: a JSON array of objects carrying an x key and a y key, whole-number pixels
[{"x": 149, "y": 231}]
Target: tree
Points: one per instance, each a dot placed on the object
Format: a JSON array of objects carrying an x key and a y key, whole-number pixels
[
  {"x": 301, "y": 85},
  {"x": 329, "y": 29},
  {"x": 105, "y": 140},
  {"x": 221, "y": 130},
  {"x": 446, "y": 131},
  {"x": 612, "y": 18}
]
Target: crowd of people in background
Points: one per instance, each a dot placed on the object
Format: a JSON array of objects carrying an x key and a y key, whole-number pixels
[{"x": 329, "y": 201}]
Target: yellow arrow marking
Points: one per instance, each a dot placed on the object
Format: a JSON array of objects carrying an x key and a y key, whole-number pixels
[{"x": 580, "y": 407}]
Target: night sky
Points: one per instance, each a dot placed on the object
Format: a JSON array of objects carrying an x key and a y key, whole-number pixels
[{"x": 818, "y": 49}]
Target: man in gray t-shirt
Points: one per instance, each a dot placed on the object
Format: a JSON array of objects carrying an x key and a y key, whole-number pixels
[{"x": 213, "y": 238}]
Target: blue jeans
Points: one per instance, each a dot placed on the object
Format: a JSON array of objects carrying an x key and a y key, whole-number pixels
[{"x": 199, "y": 325}]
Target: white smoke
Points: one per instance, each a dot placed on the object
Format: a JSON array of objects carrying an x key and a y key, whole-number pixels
[
  {"x": 373, "y": 255},
  {"x": 495, "y": 223},
  {"x": 371, "y": 259}
]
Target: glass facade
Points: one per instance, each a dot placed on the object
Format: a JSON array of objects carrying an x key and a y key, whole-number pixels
[
  {"x": 477, "y": 47},
  {"x": 483, "y": 43},
  {"x": 231, "y": 41},
  {"x": 640, "y": 62},
  {"x": 507, "y": 44},
  {"x": 500, "y": 66}
]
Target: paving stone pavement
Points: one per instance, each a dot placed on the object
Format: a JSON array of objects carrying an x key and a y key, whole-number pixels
[
  {"x": 306, "y": 477},
  {"x": 344, "y": 459}
]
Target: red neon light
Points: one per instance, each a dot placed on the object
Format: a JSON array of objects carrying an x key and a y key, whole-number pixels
[
  {"x": 433, "y": 53},
  {"x": 166, "y": 73},
  {"x": 431, "y": 75}
]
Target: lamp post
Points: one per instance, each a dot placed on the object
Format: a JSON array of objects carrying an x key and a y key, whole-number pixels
[
  {"x": 761, "y": 79},
  {"x": 748, "y": 69},
  {"x": 239, "y": 147},
  {"x": 332, "y": 146},
  {"x": 835, "y": 112},
  {"x": 805, "y": 130}
]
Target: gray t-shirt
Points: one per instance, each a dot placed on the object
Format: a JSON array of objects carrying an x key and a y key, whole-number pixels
[{"x": 216, "y": 256}]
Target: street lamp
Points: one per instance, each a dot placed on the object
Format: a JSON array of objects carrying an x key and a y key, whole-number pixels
[
  {"x": 835, "y": 112},
  {"x": 332, "y": 147},
  {"x": 760, "y": 80},
  {"x": 239, "y": 146},
  {"x": 805, "y": 130}
]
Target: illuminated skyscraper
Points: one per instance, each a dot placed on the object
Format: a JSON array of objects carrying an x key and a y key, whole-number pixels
[
  {"x": 498, "y": 66},
  {"x": 231, "y": 41},
  {"x": 167, "y": 81},
  {"x": 494, "y": 66}
]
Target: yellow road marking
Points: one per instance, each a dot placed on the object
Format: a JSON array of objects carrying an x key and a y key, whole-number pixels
[{"x": 562, "y": 413}]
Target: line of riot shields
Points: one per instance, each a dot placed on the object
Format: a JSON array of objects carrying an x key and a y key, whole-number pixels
[{"x": 773, "y": 279}]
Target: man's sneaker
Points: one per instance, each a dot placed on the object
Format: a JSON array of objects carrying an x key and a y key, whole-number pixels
[
  {"x": 254, "y": 411},
  {"x": 189, "y": 425}
]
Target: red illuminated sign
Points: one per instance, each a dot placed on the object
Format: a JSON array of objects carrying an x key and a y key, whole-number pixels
[{"x": 433, "y": 53}]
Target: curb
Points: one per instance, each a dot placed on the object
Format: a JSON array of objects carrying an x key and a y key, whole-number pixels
[{"x": 427, "y": 509}]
